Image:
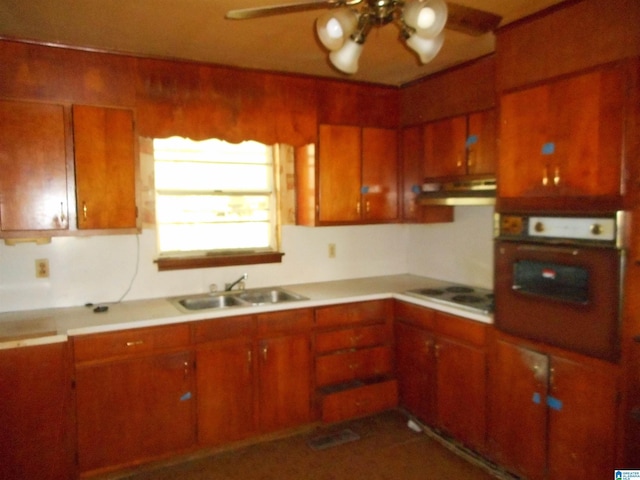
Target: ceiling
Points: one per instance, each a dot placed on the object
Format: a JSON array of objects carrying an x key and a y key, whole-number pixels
[{"x": 197, "y": 30}]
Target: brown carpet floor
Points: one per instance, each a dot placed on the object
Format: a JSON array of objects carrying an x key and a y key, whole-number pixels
[{"x": 386, "y": 450}]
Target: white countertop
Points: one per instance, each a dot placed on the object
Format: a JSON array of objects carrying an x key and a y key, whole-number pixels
[{"x": 37, "y": 327}]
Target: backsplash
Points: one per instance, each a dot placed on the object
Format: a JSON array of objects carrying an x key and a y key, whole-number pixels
[{"x": 104, "y": 269}]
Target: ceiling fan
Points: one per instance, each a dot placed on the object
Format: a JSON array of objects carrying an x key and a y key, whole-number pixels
[{"x": 344, "y": 28}]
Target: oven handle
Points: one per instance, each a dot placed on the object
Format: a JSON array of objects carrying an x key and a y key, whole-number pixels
[{"x": 546, "y": 248}]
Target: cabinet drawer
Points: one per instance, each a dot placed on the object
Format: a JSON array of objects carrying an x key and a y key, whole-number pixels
[
  {"x": 345, "y": 366},
  {"x": 360, "y": 401},
  {"x": 222, "y": 328},
  {"x": 377, "y": 311},
  {"x": 285, "y": 322},
  {"x": 463, "y": 329},
  {"x": 126, "y": 342},
  {"x": 415, "y": 315},
  {"x": 358, "y": 337}
]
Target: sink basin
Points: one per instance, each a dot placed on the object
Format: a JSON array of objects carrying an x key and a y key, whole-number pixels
[
  {"x": 204, "y": 302},
  {"x": 263, "y": 296},
  {"x": 244, "y": 298}
]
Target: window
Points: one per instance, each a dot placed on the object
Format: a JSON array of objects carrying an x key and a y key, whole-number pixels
[{"x": 214, "y": 199}]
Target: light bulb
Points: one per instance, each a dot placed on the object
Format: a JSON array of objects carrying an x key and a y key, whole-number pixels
[
  {"x": 334, "y": 27},
  {"x": 346, "y": 59},
  {"x": 426, "y": 17}
]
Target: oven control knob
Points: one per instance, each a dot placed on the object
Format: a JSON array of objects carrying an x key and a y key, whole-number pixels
[
  {"x": 596, "y": 229},
  {"x": 539, "y": 227}
]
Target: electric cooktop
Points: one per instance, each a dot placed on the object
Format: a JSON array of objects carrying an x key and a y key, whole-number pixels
[{"x": 475, "y": 299}]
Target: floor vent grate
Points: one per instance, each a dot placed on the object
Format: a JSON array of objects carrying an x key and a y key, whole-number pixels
[{"x": 329, "y": 440}]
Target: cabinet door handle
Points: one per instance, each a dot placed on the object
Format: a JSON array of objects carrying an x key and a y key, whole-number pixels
[
  {"x": 556, "y": 176},
  {"x": 545, "y": 176},
  {"x": 358, "y": 207},
  {"x": 84, "y": 210},
  {"x": 367, "y": 206},
  {"x": 135, "y": 343},
  {"x": 265, "y": 351},
  {"x": 186, "y": 369},
  {"x": 63, "y": 217}
]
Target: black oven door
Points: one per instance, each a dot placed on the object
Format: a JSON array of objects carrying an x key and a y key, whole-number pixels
[{"x": 563, "y": 296}]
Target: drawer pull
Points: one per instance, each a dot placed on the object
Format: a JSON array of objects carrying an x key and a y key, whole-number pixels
[{"x": 135, "y": 343}]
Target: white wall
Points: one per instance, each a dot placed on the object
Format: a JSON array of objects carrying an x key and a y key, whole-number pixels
[
  {"x": 460, "y": 252},
  {"x": 101, "y": 268}
]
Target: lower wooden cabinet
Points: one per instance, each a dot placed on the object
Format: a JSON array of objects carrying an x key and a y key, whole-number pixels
[
  {"x": 133, "y": 406},
  {"x": 552, "y": 417},
  {"x": 442, "y": 371},
  {"x": 36, "y": 418},
  {"x": 358, "y": 399}
]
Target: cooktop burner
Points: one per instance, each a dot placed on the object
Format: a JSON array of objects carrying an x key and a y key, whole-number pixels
[{"x": 470, "y": 298}]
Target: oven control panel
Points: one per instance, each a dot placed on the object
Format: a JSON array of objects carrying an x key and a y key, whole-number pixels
[{"x": 605, "y": 230}]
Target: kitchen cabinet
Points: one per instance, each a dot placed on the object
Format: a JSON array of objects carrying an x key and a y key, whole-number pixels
[
  {"x": 354, "y": 360},
  {"x": 37, "y": 439},
  {"x": 105, "y": 163},
  {"x": 460, "y": 146},
  {"x": 551, "y": 416},
  {"x": 412, "y": 161},
  {"x": 442, "y": 371},
  {"x": 225, "y": 379},
  {"x": 284, "y": 369},
  {"x": 33, "y": 161},
  {"x": 357, "y": 175},
  {"x": 564, "y": 138},
  {"x": 134, "y": 396}
]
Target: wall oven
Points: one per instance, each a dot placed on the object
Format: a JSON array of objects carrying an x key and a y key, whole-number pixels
[{"x": 558, "y": 280}]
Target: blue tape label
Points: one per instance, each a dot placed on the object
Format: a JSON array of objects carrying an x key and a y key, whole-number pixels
[
  {"x": 554, "y": 403},
  {"x": 364, "y": 189},
  {"x": 536, "y": 398},
  {"x": 472, "y": 140},
  {"x": 416, "y": 188},
  {"x": 185, "y": 397},
  {"x": 549, "y": 148}
]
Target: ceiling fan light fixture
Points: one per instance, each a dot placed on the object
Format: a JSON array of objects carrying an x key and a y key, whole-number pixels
[
  {"x": 426, "y": 17},
  {"x": 346, "y": 58},
  {"x": 426, "y": 48},
  {"x": 335, "y": 27}
]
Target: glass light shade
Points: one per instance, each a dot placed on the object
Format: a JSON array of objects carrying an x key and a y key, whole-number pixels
[
  {"x": 426, "y": 48},
  {"x": 334, "y": 27},
  {"x": 426, "y": 17},
  {"x": 346, "y": 59}
]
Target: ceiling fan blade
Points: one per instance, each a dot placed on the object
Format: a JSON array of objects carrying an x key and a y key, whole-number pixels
[
  {"x": 470, "y": 20},
  {"x": 300, "y": 6}
]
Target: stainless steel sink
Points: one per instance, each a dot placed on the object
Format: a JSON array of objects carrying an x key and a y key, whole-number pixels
[
  {"x": 264, "y": 296},
  {"x": 244, "y": 298}
]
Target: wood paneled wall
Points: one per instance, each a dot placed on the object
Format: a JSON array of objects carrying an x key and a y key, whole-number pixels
[
  {"x": 464, "y": 89},
  {"x": 191, "y": 99},
  {"x": 574, "y": 37}
]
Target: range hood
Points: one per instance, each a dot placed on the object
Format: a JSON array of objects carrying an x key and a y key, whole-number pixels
[{"x": 459, "y": 192}]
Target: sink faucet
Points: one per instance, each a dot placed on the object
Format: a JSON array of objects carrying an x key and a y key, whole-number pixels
[{"x": 229, "y": 286}]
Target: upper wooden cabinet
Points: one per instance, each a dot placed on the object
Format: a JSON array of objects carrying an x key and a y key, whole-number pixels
[
  {"x": 105, "y": 162},
  {"x": 355, "y": 179},
  {"x": 564, "y": 138},
  {"x": 460, "y": 146},
  {"x": 33, "y": 161}
]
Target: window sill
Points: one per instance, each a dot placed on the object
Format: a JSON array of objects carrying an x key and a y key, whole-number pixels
[{"x": 207, "y": 261}]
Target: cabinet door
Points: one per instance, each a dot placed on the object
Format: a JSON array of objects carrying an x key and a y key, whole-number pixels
[
  {"x": 412, "y": 152},
  {"x": 379, "y": 174},
  {"x": 582, "y": 419},
  {"x": 461, "y": 392},
  {"x": 445, "y": 147},
  {"x": 564, "y": 138},
  {"x": 415, "y": 370},
  {"x": 482, "y": 143},
  {"x": 225, "y": 399},
  {"x": 339, "y": 170},
  {"x": 36, "y": 415},
  {"x": 518, "y": 412},
  {"x": 105, "y": 162},
  {"x": 33, "y": 162},
  {"x": 134, "y": 409},
  {"x": 284, "y": 382}
]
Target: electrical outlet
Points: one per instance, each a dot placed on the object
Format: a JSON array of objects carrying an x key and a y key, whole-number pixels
[
  {"x": 42, "y": 268},
  {"x": 332, "y": 250}
]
